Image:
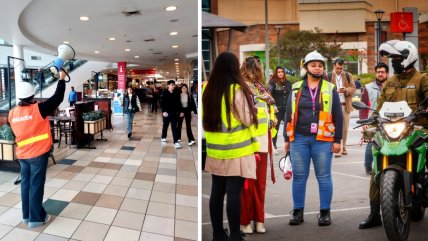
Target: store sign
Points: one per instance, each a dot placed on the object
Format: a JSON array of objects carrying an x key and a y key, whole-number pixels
[
  {"x": 401, "y": 22},
  {"x": 121, "y": 75},
  {"x": 143, "y": 72}
]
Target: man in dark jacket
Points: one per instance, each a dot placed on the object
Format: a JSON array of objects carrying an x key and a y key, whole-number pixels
[{"x": 170, "y": 105}]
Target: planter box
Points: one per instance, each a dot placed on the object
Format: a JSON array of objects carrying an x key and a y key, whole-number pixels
[
  {"x": 94, "y": 127},
  {"x": 7, "y": 150}
]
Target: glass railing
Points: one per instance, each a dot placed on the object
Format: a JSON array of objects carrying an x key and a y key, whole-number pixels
[{"x": 49, "y": 80}]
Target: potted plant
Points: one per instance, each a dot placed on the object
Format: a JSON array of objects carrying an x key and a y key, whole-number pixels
[
  {"x": 94, "y": 122},
  {"x": 7, "y": 143}
]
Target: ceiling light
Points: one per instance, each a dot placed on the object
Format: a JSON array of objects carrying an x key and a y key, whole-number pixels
[
  {"x": 127, "y": 50},
  {"x": 96, "y": 51},
  {"x": 175, "y": 60},
  {"x": 112, "y": 38},
  {"x": 170, "y": 8},
  {"x": 174, "y": 46},
  {"x": 84, "y": 18},
  {"x": 177, "y": 63},
  {"x": 167, "y": 72},
  {"x": 173, "y": 33},
  {"x": 136, "y": 56},
  {"x": 66, "y": 42}
]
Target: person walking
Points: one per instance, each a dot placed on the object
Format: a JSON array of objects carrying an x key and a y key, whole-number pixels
[
  {"x": 170, "y": 105},
  {"x": 253, "y": 196},
  {"x": 407, "y": 84},
  {"x": 131, "y": 105},
  {"x": 154, "y": 100},
  {"x": 369, "y": 97},
  {"x": 72, "y": 97},
  {"x": 314, "y": 130},
  {"x": 280, "y": 89},
  {"x": 227, "y": 115},
  {"x": 30, "y": 125},
  {"x": 187, "y": 105},
  {"x": 346, "y": 88}
]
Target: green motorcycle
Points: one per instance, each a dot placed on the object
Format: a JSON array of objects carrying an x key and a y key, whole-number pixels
[{"x": 399, "y": 163}]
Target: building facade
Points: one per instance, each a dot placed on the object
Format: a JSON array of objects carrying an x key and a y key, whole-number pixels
[{"x": 354, "y": 23}]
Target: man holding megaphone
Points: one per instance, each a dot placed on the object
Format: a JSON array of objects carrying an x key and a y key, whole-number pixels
[{"x": 30, "y": 124}]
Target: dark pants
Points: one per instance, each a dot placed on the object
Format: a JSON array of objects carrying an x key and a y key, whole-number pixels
[
  {"x": 33, "y": 177},
  {"x": 374, "y": 193},
  {"x": 188, "y": 117},
  {"x": 232, "y": 186},
  {"x": 72, "y": 103},
  {"x": 280, "y": 115},
  {"x": 173, "y": 119},
  {"x": 154, "y": 105}
]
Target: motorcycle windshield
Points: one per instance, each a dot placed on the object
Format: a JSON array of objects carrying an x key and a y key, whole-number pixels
[{"x": 395, "y": 110}]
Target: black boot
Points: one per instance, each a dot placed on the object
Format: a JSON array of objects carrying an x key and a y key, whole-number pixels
[
  {"x": 324, "y": 218},
  {"x": 237, "y": 237},
  {"x": 373, "y": 219},
  {"x": 297, "y": 217},
  {"x": 221, "y": 236}
]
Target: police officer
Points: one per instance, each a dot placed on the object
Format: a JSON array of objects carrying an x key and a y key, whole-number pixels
[
  {"x": 30, "y": 124},
  {"x": 407, "y": 84}
]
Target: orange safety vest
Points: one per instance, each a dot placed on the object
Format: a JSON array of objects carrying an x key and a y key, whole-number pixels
[
  {"x": 325, "y": 120},
  {"x": 32, "y": 132}
]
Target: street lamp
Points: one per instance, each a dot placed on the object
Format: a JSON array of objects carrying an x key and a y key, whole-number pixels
[
  {"x": 278, "y": 30},
  {"x": 379, "y": 13}
]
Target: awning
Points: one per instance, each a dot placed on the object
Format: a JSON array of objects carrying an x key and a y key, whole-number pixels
[{"x": 214, "y": 21}]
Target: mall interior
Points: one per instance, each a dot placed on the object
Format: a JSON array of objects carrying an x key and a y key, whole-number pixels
[{"x": 100, "y": 184}]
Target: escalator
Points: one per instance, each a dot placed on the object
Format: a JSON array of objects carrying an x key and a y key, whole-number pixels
[{"x": 48, "y": 81}]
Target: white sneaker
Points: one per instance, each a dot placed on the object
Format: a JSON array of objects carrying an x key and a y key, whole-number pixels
[
  {"x": 260, "y": 227},
  {"x": 192, "y": 142},
  {"x": 247, "y": 228},
  {"x": 275, "y": 151},
  {"x": 177, "y": 145},
  {"x": 179, "y": 140},
  {"x": 163, "y": 139}
]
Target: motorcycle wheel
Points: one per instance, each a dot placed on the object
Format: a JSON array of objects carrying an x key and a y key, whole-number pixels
[{"x": 395, "y": 216}]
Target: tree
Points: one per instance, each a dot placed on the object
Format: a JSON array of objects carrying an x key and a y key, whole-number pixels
[{"x": 295, "y": 44}]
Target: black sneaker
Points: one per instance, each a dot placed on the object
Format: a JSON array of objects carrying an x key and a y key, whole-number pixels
[
  {"x": 129, "y": 135},
  {"x": 324, "y": 217},
  {"x": 296, "y": 217}
]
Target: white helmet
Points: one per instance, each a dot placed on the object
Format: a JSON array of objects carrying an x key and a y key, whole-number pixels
[
  {"x": 314, "y": 56},
  {"x": 404, "y": 49},
  {"x": 25, "y": 90}
]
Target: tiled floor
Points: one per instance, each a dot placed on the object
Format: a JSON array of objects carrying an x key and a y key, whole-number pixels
[{"x": 138, "y": 189}]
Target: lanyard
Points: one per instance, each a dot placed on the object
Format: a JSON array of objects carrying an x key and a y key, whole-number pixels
[{"x": 313, "y": 97}]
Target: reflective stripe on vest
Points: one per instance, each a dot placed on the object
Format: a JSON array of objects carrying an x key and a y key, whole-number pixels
[
  {"x": 325, "y": 122},
  {"x": 262, "y": 119},
  {"x": 33, "y": 139},
  {"x": 237, "y": 142}
]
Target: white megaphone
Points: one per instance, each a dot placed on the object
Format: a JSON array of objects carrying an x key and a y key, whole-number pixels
[{"x": 65, "y": 52}]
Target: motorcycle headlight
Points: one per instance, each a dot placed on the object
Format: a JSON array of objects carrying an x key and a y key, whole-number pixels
[{"x": 394, "y": 130}]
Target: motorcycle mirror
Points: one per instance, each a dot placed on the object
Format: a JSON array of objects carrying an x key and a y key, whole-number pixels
[{"x": 359, "y": 105}]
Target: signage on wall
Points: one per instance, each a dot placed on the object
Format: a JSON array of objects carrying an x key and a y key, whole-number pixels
[
  {"x": 121, "y": 75},
  {"x": 401, "y": 22},
  {"x": 143, "y": 72}
]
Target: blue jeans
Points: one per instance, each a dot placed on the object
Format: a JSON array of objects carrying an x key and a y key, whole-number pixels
[
  {"x": 302, "y": 150},
  {"x": 129, "y": 116},
  {"x": 368, "y": 159},
  {"x": 33, "y": 177}
]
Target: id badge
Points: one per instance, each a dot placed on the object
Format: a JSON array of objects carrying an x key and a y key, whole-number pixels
[{"x": 314, "y": 128}]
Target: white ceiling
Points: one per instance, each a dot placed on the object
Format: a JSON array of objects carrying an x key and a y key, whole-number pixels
[{"x": 42, "y": 25}]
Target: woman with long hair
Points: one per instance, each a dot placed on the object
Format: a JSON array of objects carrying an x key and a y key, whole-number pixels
[
  {"x": 187, "y": 105},
  {"x": 253, "y": 196},
  {"x": 314, "y": 130},
  {"x": 280, "y": 89},
  {"x": 228, "y": 115}
]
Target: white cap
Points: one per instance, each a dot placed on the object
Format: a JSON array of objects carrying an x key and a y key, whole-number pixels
[
  {"x": 314, "y": 56},
  {"x": 25, "y": 90}
]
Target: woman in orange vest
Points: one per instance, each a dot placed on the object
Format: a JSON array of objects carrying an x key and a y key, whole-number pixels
[
  {"x": 30, "y": 124},
  {"x": 314, "y": 131},
  {"x": 253, "y": 195}
]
